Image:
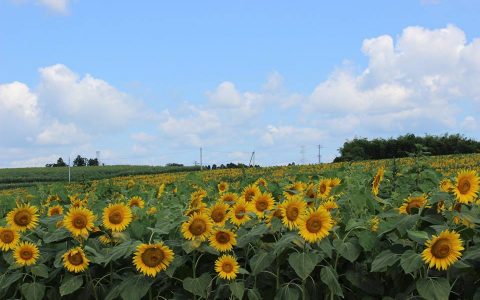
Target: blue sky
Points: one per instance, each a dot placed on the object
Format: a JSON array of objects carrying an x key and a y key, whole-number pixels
[{"x": 151, "y": 82}]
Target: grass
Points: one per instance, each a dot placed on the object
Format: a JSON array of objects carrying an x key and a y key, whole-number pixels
[{"x": 24, "y": 177}]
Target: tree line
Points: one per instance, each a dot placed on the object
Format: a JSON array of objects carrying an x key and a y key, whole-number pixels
[
  {"x": 79, "y": 161},
  {"x": 402, "y": 146}
]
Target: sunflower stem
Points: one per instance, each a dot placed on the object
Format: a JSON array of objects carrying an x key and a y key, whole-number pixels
[
  {"x": 304, "y": 294},
  {"x": 194, "y": 265},
  {"x": 89, "y": 278}
]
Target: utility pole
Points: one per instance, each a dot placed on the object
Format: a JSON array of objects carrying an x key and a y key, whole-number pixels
[
  {"x": 201, "y": 159},
  {"x": 97, "y": 154},
  {"x": 302, "y": 153},
  {"x": 252, "y": 159},
  {"x": 319, "y": 155},
  {"x": 69, "y": 169}
]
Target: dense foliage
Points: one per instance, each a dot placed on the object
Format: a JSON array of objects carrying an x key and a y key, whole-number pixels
[
  {"x": 403, "y": 146},
  {"x": 382, "y": 229}
]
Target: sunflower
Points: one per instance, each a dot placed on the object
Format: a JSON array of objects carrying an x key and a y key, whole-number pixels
[
  {"x": 374, "y": 221},
  {"x": 26, "y": 253},
  {"x": 292, "y": 210},
  {"x": 324, "y": 188},
  {"x": 412, "y": 203},
  {"x": 443, "y": 250},
  {"x": 23, "y": 217},
  {"x": 261, "y": 182},
  {"x": 227, "y": 267},
  {"x": 130, "y": 184},
  {"x": 136, "y": 201},
  {"x": 74, "y": 260},
  {"x": 229, "y": 198},
  {"x": 152, "y": 210},
  {"x": 466, "y": 186},
  {"x": 53, "y": 198},
  {"x": 9, "y": 238},
  {"x": 116, "y": 217},
  {"x": 197, "y": 210},
  {"x": 114, "y": 238},
  {"x": 222, "y": 187},
  {"x": 150, "y": 259},
  {"x": 262, "y": 202},
  {"x": 249, "y": 192},
  {"x": 218, "y": 213},
  {"x": 197, "y": 197},
  {"x": 160, "y": 191},
  {"x": 335, "y": 182},
  {"x": 440, "y": 207},
  {"x": 238, "y": 214},
  {"x": 274, "y": 213},
  {"x": 315, "y": 225},
  {"x": 223, "y": 240},
  {"x": 55, "y": 210},
  {"x": 295, "y": 188},
  {"x": 446, "y": 185},
  {"x": 79, "y": 221},
  {"x": 329, "y": 205},
  {"x": 198, "y": 226},
  {"x": 311, "y": 191},
  {"x": 377, "y": 179}
]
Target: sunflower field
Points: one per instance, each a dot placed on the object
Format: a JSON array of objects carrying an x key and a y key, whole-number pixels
[{"x": 396, "y": 229}]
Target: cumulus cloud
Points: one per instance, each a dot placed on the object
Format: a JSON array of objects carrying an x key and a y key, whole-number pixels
[
  {"x": 62, "y": 134},
  {"x": 274, "y": 135},
  {"x": 18, "y": 105},
  {"x": 57, "y": 6},
  {"x": 65, "y": 109},
  {"x": 417, "y": 82},
  {"x": 87, "y": 100}
]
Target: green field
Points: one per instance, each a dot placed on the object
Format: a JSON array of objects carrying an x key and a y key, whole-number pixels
[{"x": 23, "y": 177}]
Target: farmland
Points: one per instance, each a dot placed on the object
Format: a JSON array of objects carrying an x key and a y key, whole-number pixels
[
  {"x": 405, "y": 228},
  {"x": 22, "y": 177}
]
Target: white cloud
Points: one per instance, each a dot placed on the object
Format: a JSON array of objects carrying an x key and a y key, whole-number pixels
[
  {"x": 38, "y": 161},
  {"x": 93, "y": 102},
  {"x": 143, "y": 137},
  {"x": 62, "y": 134},
  {"x": 19, "y": 113},
  {"x": 275, "y": 135},
  {"x": 417, "y": 82},
  {"x": 57, "y": 6}
]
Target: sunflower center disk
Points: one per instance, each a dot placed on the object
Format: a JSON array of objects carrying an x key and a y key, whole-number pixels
[
  {"x": 277, "y": 213},
  {"x": 261, "y": 205},
  {"x": 441, "y": 248},
  {"x": 323, "y": 188},
  {"x": 314, "y": 225},
  {"x": 152, "y": 257},
  {"x": 464, "y": 186},
  {"x": 218, "y": 215},
  {"x": 80, "y": 222},
  {"x": 240, "y": 213},
  {"x": 413, "y": 204},
  {"x": 26, "y": 254},
  {"x": 222, "y": 237},
  {"x": 22, "y": 218},
  {"x": 75, "y": 259},
  {"x": 249, "y": 196},
  {"x": 227, "y": 267},
  {"x": 292, "y": 213},
  {"x": 115, "y": 217},
  {"x": 6, "y": 237},
  {"x": 55, "y": 211},
  {"x": 198, "y": 227}
]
